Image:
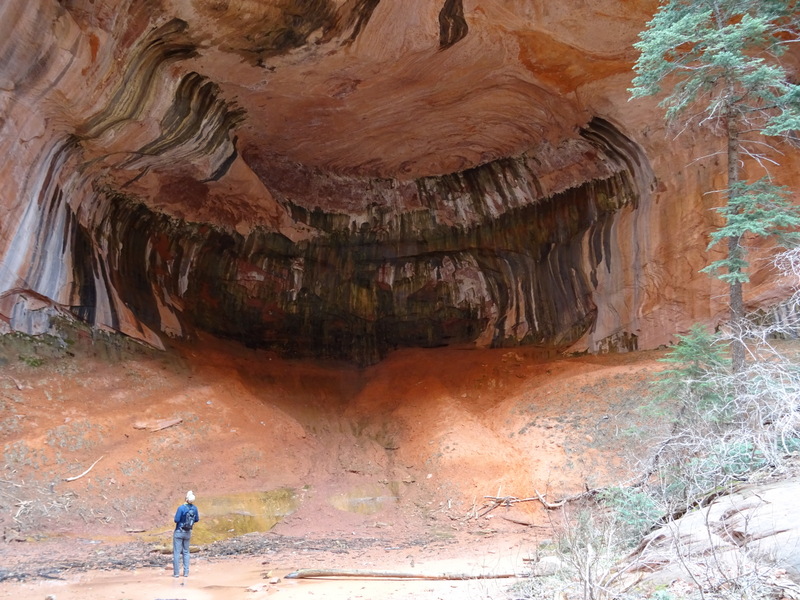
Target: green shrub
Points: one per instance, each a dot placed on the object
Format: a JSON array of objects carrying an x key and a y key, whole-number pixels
[
  {"x": 32, "y": 361},
  {"x": 634, "y": 511}
]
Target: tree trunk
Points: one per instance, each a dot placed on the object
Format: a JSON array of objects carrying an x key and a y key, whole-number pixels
[{"x": 734, "y": 249}]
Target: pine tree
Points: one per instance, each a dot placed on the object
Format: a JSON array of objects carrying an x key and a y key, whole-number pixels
[{"x": 719, "y": 63}]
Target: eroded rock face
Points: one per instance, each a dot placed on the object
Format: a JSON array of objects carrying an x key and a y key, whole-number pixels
[
  {"x": 342, "y": 177},
  {"x": 735, "y": 536}
]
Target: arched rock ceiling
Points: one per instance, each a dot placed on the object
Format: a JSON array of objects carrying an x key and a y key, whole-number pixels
[
  {"x": 363, "y": 89},
  {"x": 341, "y": 177}
]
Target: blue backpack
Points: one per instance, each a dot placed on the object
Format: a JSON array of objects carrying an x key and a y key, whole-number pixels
[{"x": 189, "y": 517}]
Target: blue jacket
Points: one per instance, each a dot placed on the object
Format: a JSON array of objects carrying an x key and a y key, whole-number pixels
[{"x": 182, "y": 511}]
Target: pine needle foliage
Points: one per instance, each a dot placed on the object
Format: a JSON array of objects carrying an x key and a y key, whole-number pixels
[
  {"x": 721, "y": 63},
  {"x": 725, "y": 56}
]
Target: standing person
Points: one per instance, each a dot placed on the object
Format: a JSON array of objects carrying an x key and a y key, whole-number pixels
[{"x": 185, "y": 517}]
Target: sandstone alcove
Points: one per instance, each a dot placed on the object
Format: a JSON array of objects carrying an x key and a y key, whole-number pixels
[
  {"x": 362, "y": 261},
  {"x": 339, "y": 179}
]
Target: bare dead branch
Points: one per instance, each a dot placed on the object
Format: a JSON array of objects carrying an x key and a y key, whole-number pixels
[
  {"x": 20, "y": 386},
  {"x": 158, "y": 425},
  {"x": 521, "y": 522},
  {"x": 85, "y": 472}
]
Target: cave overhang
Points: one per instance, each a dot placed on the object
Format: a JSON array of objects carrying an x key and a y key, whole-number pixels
[{"x": 330, "y": 178}]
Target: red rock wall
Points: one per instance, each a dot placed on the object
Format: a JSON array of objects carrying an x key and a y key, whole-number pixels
[{"x": 339, "y": 178}]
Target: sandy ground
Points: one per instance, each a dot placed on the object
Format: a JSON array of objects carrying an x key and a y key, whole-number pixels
[
  {"x": 407, "y": 453},
  {"x": 250, "y": 577}
]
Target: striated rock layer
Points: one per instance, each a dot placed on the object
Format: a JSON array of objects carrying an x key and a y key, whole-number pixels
[{"x": 339, "y": 178}]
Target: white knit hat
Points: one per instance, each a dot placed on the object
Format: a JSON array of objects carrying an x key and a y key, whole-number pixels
[{"x": 190, "y": 496}]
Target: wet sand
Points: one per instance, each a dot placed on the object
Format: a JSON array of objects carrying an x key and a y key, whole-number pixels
[{"x": 250, "y": 577}]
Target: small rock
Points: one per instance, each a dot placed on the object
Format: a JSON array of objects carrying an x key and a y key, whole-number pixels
[{"x": 259, "y": 587}]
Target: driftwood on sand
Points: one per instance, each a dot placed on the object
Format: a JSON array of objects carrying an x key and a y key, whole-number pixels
[{"x": 312, "y": 573}]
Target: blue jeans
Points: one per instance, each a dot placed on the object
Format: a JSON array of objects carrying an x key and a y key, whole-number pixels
[{"x": 180, "y": 548}]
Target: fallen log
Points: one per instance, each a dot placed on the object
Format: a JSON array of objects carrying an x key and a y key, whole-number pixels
[{"x": 313, "y": 573}]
